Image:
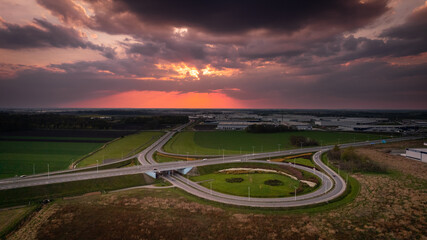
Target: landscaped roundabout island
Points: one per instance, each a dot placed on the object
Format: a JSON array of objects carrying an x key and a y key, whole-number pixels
[{"x": 257, "y": 180}]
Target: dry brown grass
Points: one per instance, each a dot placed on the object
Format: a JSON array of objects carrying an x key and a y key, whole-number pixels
[{"x": 392, "y": 206}]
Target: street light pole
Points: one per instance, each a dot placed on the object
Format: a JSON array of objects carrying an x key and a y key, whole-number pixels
[
  {"x": 249, "y": 193},
  {"x": 223, "y": 155},
  {"x": 295, "y": 193}
]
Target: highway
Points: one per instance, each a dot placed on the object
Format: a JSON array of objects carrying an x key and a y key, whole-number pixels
[{"x": 332, "y": 184}]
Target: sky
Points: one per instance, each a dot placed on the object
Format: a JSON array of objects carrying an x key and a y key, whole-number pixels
[{"x": 331, "y": 54}]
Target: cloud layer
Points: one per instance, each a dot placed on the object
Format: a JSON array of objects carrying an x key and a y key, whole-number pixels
[{"x": 269, "y": 54}]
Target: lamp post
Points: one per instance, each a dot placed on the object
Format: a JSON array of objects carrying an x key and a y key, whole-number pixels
[
  {"x": 223, "y": 155},
  {"x": 295, "y": 193},
  {"x": 249, "y": 193}
]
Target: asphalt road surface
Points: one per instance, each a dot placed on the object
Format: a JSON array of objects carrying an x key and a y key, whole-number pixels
[{"x": 332, "y": 185}]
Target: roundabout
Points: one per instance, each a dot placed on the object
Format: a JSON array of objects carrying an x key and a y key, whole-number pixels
[
  {"x": 329, "y": 185},
  {"x": 257, "y": 182}
]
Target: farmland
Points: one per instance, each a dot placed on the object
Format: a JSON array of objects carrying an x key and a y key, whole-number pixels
[
  {"x": 388, "y": 206},
  {"x": 22, "y": 157},
  {"x": 236, "y": 142},
  {"x": 124, "y": 147}
]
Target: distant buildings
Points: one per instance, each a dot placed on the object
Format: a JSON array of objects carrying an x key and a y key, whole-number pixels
[{"x": 235, "y": 120}]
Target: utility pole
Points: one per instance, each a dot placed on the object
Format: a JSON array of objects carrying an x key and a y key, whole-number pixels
[
  {"x": 223, "y": 155},
  {"x": 249, "y": 193},
  {"x": 295, "y": 193}
]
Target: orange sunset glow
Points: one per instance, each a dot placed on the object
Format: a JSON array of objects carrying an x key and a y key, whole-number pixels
[{"x": 157, "y": 99}]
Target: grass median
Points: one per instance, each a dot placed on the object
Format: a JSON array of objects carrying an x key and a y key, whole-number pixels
[{"x": 240, "y": 142}]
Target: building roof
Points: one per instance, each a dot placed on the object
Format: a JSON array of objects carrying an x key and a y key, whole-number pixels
[{"x": 421, "y": 150}]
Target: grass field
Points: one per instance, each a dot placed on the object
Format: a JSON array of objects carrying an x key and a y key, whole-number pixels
[
  {"x": 128, "y": 145},
  {"x": 19, "y": 158},
  {"x": 253, "y": 181},
  {"x": 300, "y": 161},
  {"x": 19, "y": 196},
  {"x": 160, "y": 158},
  {"x": 9, "y": 218},
  {"x": 236, "y": 142}
]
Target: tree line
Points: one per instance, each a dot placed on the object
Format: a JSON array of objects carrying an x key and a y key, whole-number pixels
[
  {"x": 268, "y": 128},
  {"x": 18, "y": 122}
]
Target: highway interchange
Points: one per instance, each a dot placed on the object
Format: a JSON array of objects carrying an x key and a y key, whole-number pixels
[{"x": 332, "y": 185}]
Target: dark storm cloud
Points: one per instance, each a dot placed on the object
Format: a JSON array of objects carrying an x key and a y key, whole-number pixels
[
  {"x": 225, "y": 16},
  {"x": 43, "y": 35},
  {"x": 152, "y": 18}
]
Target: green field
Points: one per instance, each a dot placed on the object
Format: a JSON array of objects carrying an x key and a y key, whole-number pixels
[
  {"x": 236, "y": 142},
  {"x": 126, "y": 146},
  {"x": 34, "y": 194},
  {"x": 302, "y": 161},
  {"x": 10, "y": 218},
  {"x": 253, "y": 181},
  {"x": 19, "y": 157}
]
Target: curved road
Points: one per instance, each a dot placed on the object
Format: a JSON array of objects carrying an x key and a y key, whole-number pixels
[{"x": 332, "y": 184}]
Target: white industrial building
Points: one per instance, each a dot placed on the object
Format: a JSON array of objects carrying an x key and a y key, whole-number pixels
[
  {"x": 419, "y": 154},
  {"x": 232, "y": 125}
]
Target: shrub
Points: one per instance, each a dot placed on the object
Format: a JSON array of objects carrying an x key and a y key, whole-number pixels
[
  {"x": 267, "y": 128},
  {"x": 303, "y": 141},
  {"x": 234, "y": 180},
  {"x": 273, "y": 182},
  {"x": 350, "y": 161}
]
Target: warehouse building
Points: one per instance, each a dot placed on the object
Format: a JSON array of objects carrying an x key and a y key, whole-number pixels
[{"x": 419, "y": 154}]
